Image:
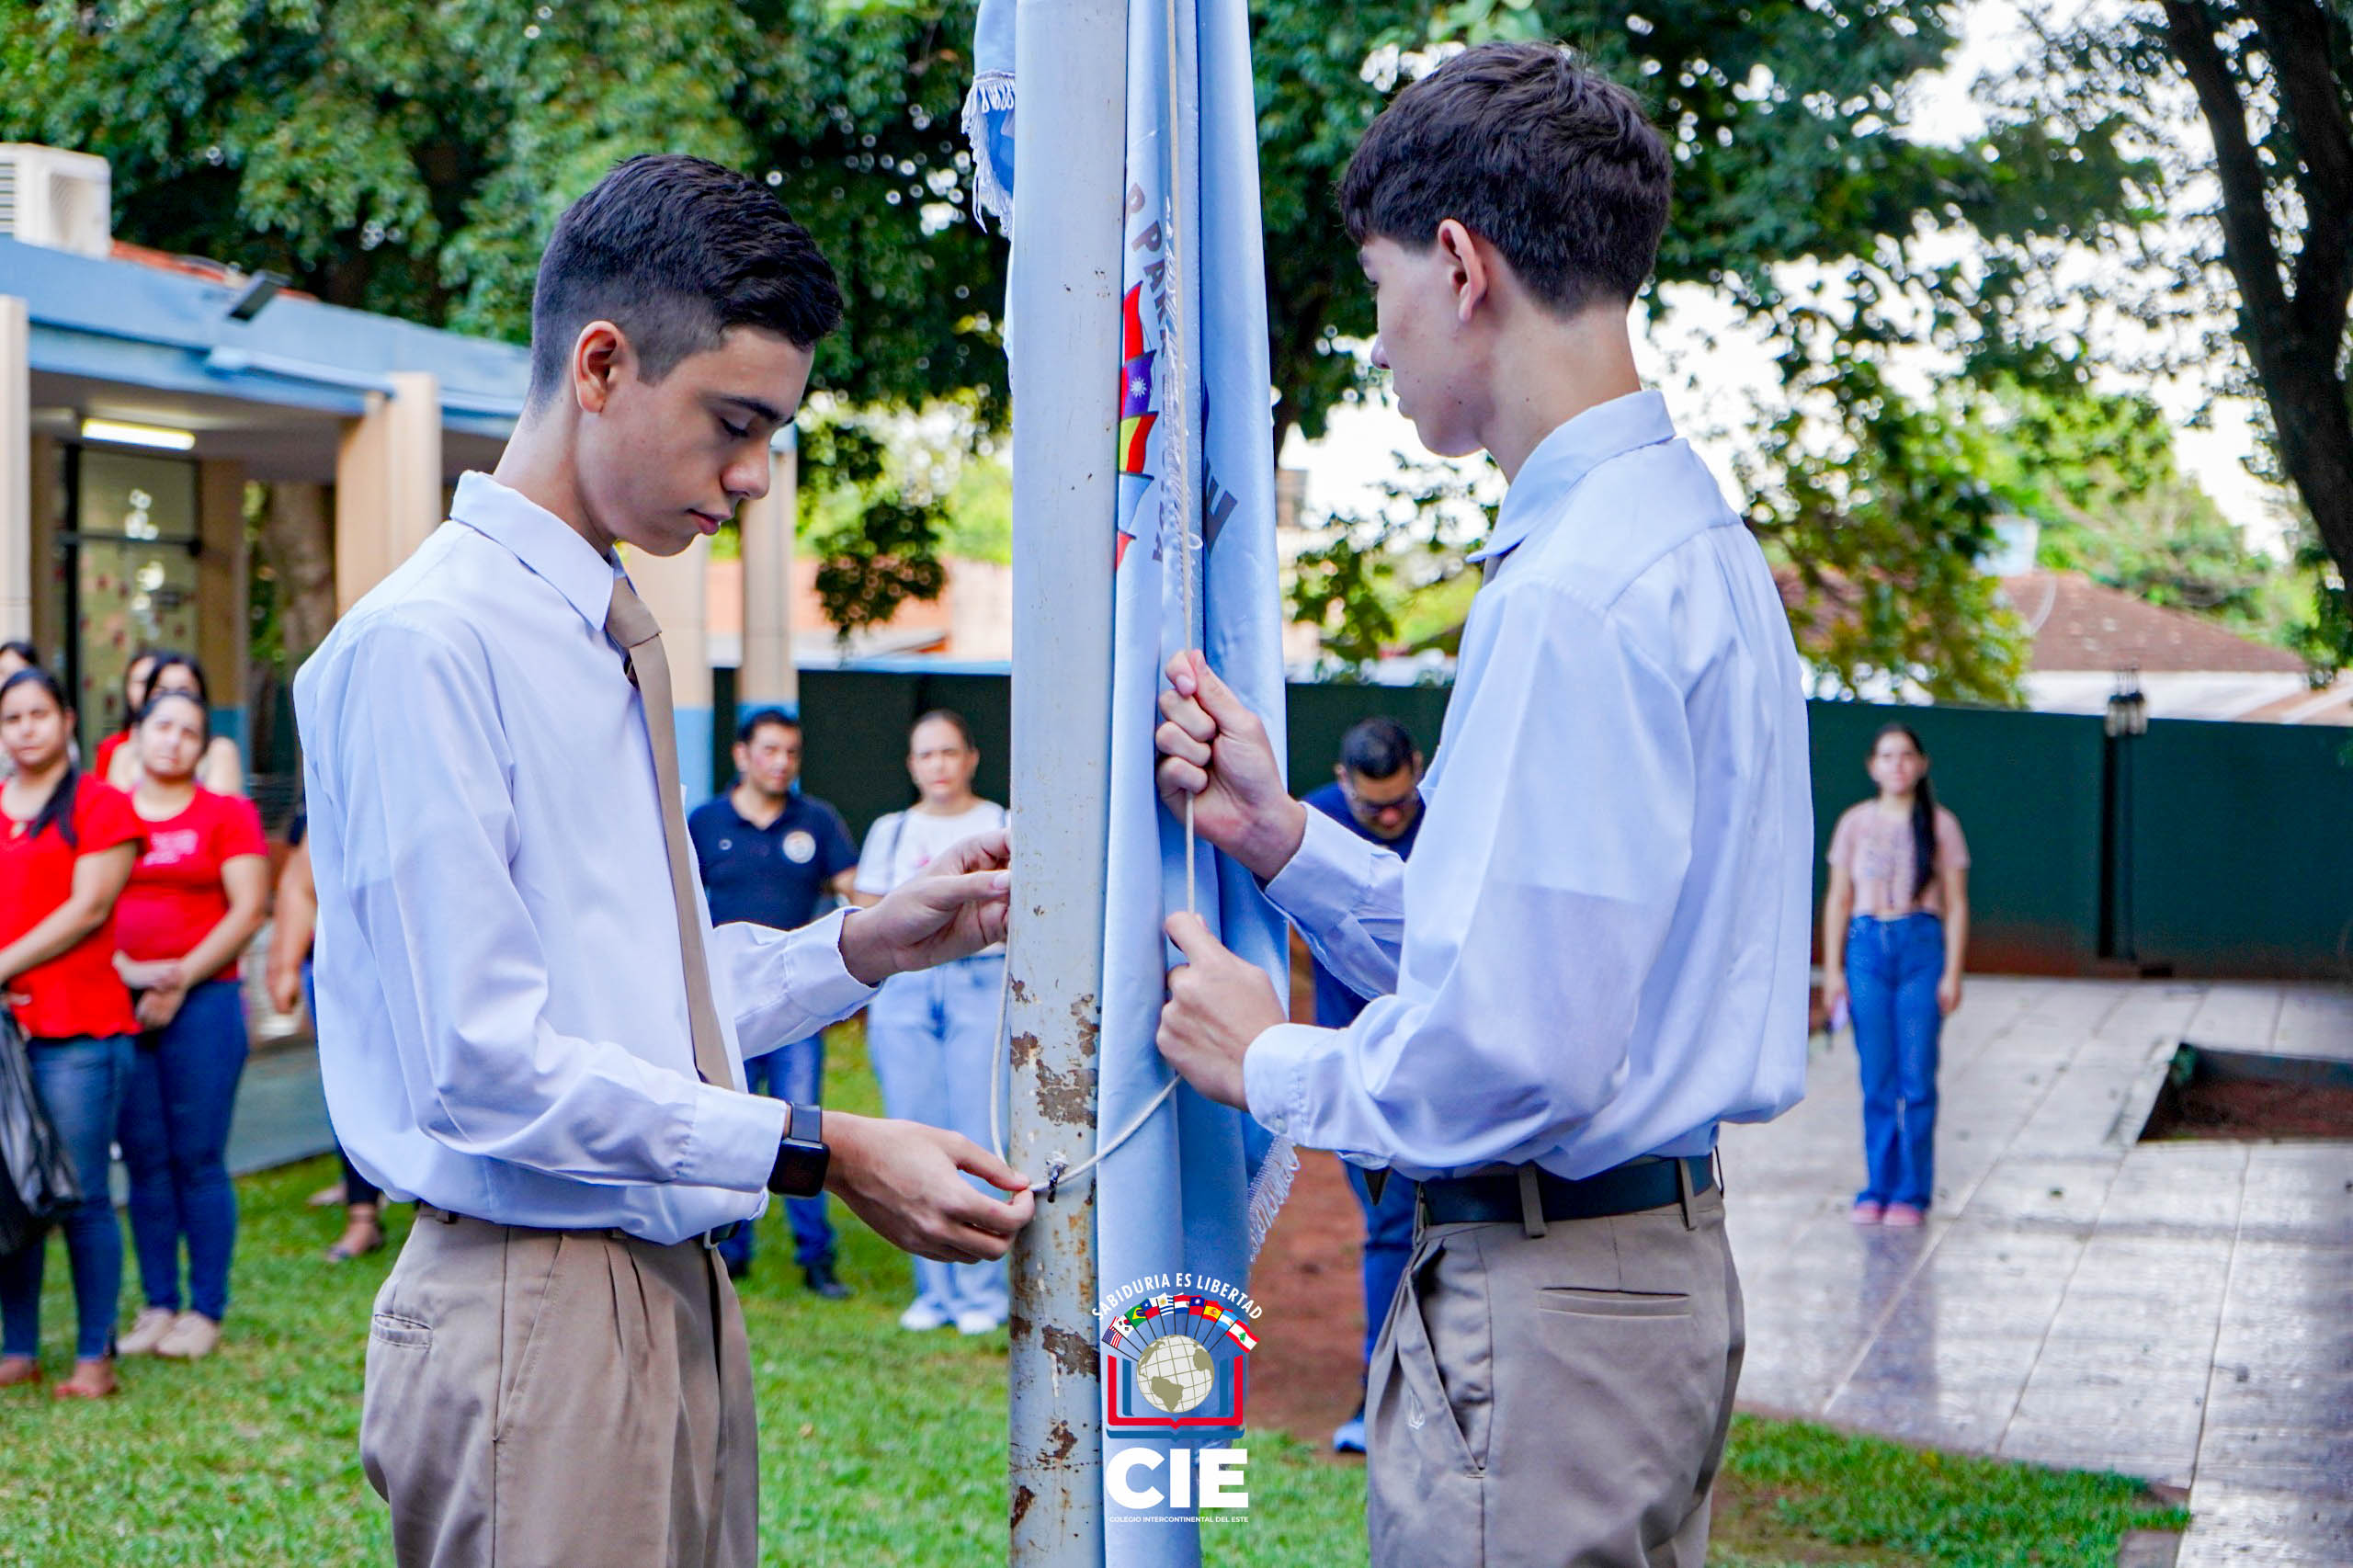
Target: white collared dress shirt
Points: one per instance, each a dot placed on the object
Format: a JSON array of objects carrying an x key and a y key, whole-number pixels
[
  {"x": 1598, "y": 949},
  {"x": 503, "y": 1005}
]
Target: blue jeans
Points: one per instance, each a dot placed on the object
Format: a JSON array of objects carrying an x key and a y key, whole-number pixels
[
  {"x": 1388, "y": 1243},
  {"x": 81, "y": 1084},
  {"x": 932, "y": 1038},
  {"x": 175, "y": 1136},
  {"x": 794, "y": 1073},
  {"x": 1893, "y": 967}
]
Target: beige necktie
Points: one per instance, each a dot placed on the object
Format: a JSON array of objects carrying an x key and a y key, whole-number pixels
[{"x": 633, "y": 626}]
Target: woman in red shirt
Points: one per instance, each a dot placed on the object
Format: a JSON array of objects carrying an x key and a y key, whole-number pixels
[
  {"x": 136, "y": 675},
  {"x": 195, "y": 900},
  {"x": 67, "y": 846}
]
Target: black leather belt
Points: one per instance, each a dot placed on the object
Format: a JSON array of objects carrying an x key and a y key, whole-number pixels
[{"x": 1646, "y": 1183}]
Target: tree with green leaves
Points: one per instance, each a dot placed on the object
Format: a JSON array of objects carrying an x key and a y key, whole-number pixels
[
  {"x": 2266, "y": 244},
  {"x": 1799, "y": 198},
  {"x": 413, "y": 160}
]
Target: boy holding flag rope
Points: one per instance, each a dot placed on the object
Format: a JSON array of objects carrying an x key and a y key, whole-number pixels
[{"x": 1566, "y": 1003}]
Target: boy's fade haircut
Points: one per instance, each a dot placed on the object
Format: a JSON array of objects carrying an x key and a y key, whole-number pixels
[
  {"x": 675, "y": 250},
  {"x": 1554, "y": 165}
]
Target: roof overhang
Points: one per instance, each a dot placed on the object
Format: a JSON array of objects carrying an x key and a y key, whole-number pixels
[{"x": 116, "y": 339}]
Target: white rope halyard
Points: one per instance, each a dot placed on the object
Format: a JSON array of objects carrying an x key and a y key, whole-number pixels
[{"x": 1271, "y": 1186}]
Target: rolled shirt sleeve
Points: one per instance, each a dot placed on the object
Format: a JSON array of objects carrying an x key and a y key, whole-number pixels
[
  {"x": 427, "y": 868},
  {"x": 1558, "y": 830}
]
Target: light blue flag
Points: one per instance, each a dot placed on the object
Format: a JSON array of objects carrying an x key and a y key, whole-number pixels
[{"x": 1195, "y": 489}]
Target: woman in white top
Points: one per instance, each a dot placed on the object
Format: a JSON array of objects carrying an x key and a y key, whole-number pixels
[{"x": 932, "y": 1034}]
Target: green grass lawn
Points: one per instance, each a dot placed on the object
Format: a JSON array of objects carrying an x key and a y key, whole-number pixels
[{"x": 877, "y": 1446}]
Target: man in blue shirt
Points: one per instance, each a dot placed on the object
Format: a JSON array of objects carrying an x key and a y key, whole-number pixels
[
  {"x": 1377, "y": 795},
  {"x": 770, "y": 854}
]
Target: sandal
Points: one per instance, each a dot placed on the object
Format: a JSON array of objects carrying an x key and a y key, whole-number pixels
[
  {"x": 18, "y": 1372},
  {"x": 345, "y": 1249},
  {"x": 75, "y": 1388}
]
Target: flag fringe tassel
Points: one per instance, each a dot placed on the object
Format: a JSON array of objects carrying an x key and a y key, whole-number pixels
[
  {"x": 1269, "y": 1189},
  {"x": 991, "y": 93}
]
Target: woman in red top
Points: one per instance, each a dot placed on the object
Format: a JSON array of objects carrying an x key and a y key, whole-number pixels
[
  {"x": 195, "y": 900},
  {"x": 67, "y": 848},
  {"x": 222, "y": 768},
  {"x": 136, "y": 677}
]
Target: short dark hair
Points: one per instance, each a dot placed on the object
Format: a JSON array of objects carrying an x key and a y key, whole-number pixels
[
  {"x": 1554, "y": 165},
  {"x": 674, "y": 251},
  {"x": 770, "y": 714},
  {"x": 1377, "y": 747}
]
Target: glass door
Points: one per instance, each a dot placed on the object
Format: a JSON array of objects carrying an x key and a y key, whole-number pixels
[{"x": 132, "y": 582}]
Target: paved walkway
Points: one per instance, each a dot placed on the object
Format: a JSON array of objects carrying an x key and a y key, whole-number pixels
[{"x": 2181, "y": 1311}]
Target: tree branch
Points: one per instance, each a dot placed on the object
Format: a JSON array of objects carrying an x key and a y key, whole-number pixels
[
  {"x": 2296, "y": 38},
  {"x": 2247, "y": 247}
]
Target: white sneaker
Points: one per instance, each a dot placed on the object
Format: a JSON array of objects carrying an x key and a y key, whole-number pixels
[
  {"x": 923, "y": 1317},
  {"x": 147, "y": 1331},
  {"x": 979, "y": 1320},
  {"x": 193, "y": 1337}
]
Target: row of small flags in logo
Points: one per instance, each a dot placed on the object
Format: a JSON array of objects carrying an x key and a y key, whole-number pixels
[{"x": 1165, "y": 1314}]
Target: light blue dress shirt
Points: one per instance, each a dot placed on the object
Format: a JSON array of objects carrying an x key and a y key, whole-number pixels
[
  {"x": 502, "y": 1000},
  {"x": 1598, "y": 949}
]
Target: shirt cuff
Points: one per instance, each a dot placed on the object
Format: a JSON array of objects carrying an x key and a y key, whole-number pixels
[
  {"x": 733, "y": 1141},
  {"x": 1274, "y": 1076},
  {"x": 814, "y": 975},
  {"x": 1324, "y": 882}
]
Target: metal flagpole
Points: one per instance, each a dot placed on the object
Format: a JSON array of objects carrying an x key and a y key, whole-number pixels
[{"x": 1064, "y": 315}]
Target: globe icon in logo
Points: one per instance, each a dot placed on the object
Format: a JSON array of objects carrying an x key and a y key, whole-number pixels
[{"x": 1175, "y": 1375}]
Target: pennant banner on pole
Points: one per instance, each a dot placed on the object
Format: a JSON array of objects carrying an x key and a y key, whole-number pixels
[{"x": 1192, "y": 553}]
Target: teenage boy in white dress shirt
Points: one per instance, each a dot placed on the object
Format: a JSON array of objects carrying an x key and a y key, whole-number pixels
[
  {"x": 1597, "y": 953},
  {"x": 557, "y": 1370}
]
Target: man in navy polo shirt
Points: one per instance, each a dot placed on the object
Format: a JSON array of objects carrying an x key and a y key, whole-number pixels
[
  {"x": 1377, "y": 795},
  {"x": 769, "y": 855}
]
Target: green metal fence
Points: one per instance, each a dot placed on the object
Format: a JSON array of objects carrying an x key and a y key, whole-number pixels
[{"x": 2197, "y": 849}]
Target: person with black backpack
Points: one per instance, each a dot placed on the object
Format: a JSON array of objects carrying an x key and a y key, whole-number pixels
[{"x": 66, "y": 849}]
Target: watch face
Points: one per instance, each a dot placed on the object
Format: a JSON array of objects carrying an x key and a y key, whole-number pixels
[{"x": 799, "y": 1170}]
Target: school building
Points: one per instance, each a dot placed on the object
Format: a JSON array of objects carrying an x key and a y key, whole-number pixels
[{"x": 141, "y": 395}]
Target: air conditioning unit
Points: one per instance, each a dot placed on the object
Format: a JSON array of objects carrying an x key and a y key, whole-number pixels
[{"x": 49, "y": 196}]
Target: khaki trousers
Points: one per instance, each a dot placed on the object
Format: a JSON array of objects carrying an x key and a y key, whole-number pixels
[
  {"x": 578, "y": 1398},
  {"x": 1555, "y": 1400}
]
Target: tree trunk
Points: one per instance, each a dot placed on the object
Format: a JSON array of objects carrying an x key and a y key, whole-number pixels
[
  {"x": 298, "y": 538},
  {"x": 2295, "y": 341}
]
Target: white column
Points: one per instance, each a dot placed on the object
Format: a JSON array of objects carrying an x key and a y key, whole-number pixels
[
  {"x": 16, "y": 469},
  {"x": 766, "y": 672},
  {"x": 387, "y": 485}
]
